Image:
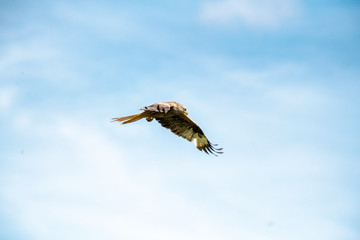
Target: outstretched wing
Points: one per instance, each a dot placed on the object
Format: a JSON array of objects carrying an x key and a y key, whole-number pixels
[{"x": 183, "y": 126}]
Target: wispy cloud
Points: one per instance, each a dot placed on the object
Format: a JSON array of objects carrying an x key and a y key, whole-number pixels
[
  {"x": 259, "y": 13},
  {"x": 7, "y": 97},
  {"x": 83, "y": 182},
  {"x": 78, "y": 176},
  {"x": 289, "y": 134},
  {"x": 98, "y": 20}
]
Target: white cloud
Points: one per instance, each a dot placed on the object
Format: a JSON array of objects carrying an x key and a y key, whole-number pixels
[
  {"x": 280, "y": 84},
  {"x": 260, "y": 13},
  {"x": 106, "y": 22},
  {"x": 7, "y": 98},
  {"x": 74, "y": 176},
  {"x": 26, "y": 51},
  {"x": 76, "y": 179}
]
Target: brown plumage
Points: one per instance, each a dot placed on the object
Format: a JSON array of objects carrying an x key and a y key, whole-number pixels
[{"x": 173, "y": 115}]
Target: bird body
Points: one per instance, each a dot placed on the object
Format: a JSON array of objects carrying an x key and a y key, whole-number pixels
[{"x": 173, "y": 115}]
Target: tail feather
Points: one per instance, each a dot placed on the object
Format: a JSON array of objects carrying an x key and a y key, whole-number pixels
[{"x": 131, "y": 118}]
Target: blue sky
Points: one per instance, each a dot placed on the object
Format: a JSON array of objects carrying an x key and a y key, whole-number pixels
[{"x": 273, "y": 82}]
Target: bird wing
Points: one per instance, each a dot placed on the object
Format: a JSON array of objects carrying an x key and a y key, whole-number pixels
[{"x": 184, "y": 127}]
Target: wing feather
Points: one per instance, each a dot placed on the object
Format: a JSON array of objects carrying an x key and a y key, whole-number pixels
[{"x": 184, "y": 127}]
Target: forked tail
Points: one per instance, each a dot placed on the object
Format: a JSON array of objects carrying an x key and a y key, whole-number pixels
[{"x": 131, "y": 118}]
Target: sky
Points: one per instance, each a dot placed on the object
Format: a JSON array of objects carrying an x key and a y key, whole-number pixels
[{"x": 274, "y": 82}]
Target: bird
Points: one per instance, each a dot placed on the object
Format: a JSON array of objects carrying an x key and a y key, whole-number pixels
[{"x": 173, "y": 116}]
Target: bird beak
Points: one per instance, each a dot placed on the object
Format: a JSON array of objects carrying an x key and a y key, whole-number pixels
[{"x": 186, "y": 112}]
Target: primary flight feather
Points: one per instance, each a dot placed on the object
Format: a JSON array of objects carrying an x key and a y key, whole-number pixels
[{"x": 173, "y": 115}]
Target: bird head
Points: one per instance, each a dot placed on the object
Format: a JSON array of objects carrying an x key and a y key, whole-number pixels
[{"x": 181, "y": 108}]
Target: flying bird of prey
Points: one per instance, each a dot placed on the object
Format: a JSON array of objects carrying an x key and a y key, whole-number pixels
[{"x": 173, "y": 115}]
